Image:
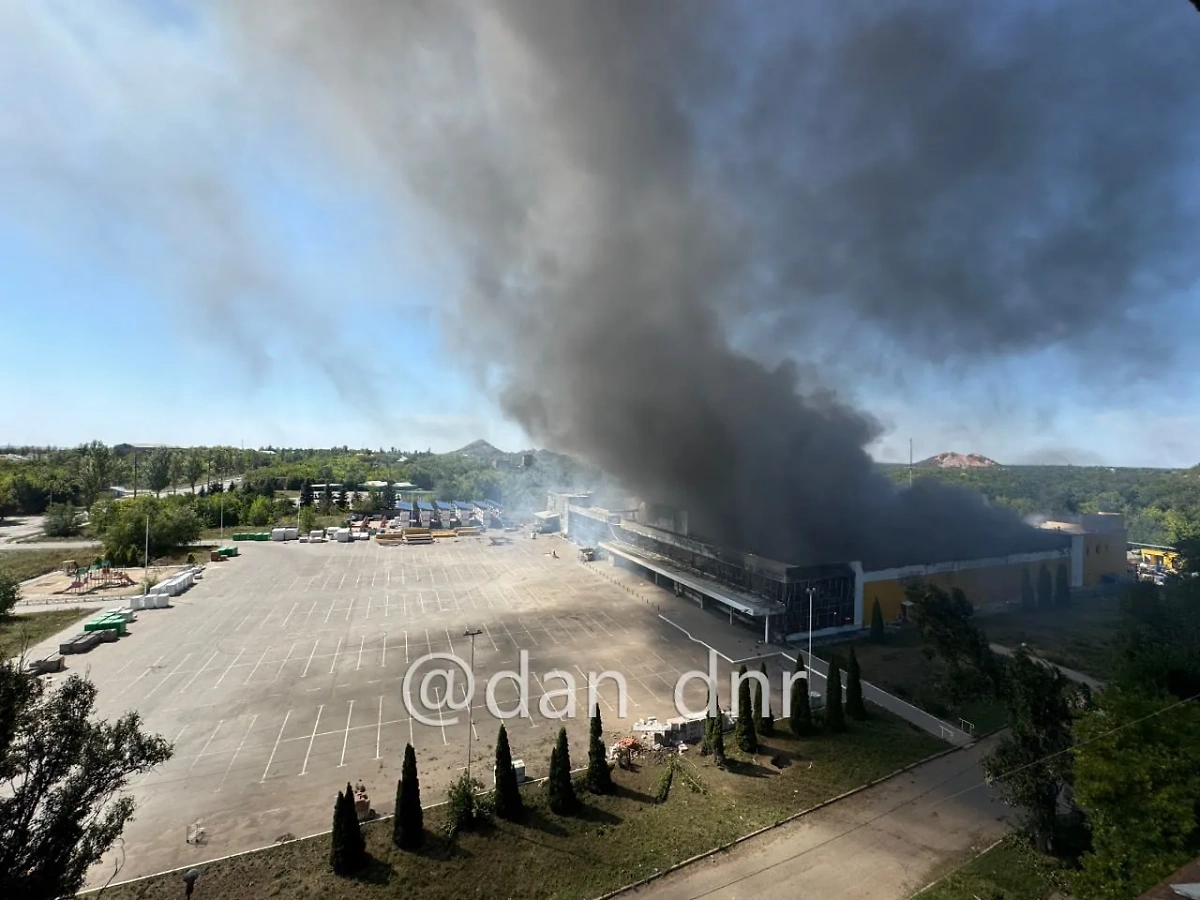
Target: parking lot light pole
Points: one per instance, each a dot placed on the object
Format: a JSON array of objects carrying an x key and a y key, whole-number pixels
[
  {"x": 472, "y": 633},
  {"x": 811, "y": 591}
]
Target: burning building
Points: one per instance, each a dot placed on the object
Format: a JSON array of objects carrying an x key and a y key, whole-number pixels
[{"x": 774, "y": 596}]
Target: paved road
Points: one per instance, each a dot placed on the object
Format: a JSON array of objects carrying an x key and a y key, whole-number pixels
[
  {"x": 1078, "y": 677},
  {"x": 50, "y": 545},
  {"x": 884, "y": 843},
  {"x": 894, "y": 705}
]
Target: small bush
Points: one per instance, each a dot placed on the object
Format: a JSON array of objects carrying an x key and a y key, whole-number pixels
[
  {"x": 61, "y": 520},
  {"x": 663, "y": 789},
  {"x": 464, "y": 809}
]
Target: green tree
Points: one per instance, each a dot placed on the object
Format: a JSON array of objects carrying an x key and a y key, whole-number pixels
[
  {"x": 306, "y": 493},
  {"x": 356, "y": 844},
  {"x": 1136, "y": 777},
  {"x": 877, "y": 632},
  {"x": 193, "y": 467},
  {"x": 744, "y": 732},
  {"x": 947, "y": 632},
  {"x": 1062, "y": 587},
  {"x": 308, "y": 519},
  {"x": 855, "y": 708},
  {"x": 10, "y": 594},
  {"x": 408, "y": 824},
  {"x": 1031, "y": 762},
  {"x": 508, "y": 792},
  {"x": 800, "y": 718},
  {"x": 158, "y": 470},
  {"x": 260, "y": 512},
  {"x": 1045, "y": 588},
  {"x": 1028, "y": 597},
  {"x": 326, "y": 506},
  {"x": 94, "y": 470},
  {"x": 835, "y": 715},
  {"x": 8, "y": 500},
  {"x": 339, "y": 845},
  {"x": 63, "y": 775},
  {"x": 716, "y": 736},
  {"x": 560, "y": 789},
  {"x": 599, "y": 777},
  {"x": 343, "y": 501},
  {"x": 173, "y": 523},
  {"x": 767, "y": 727},
  {"x": 61, "y": 520}
]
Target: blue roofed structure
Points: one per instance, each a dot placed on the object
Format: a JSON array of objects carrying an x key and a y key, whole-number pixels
[
  {"x": 404, "y": 505},
  {"x": 443, "y": 506},
  {"x": 424, "y": 506}
]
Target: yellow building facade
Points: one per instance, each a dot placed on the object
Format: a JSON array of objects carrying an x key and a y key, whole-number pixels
[{"x": 1097, "y": 554}]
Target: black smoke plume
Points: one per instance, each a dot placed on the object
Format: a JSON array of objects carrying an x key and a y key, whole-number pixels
[{"x": 650, "y": 199}]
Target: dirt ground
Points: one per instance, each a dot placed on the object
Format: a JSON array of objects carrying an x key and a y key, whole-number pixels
[{"x": 56, "y": 586}]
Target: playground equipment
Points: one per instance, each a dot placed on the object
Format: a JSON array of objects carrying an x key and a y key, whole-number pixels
[{"x": 97, "y": 578}]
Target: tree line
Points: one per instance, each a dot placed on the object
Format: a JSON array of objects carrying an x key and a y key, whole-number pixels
[{"x": 1107, "y": 782}]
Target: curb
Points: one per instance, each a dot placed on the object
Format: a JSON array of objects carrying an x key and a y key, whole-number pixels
[
  {"x": 784, "y": 821},
  {"x": 308, "y": 837},
  {"x": 992, "y": 846}
]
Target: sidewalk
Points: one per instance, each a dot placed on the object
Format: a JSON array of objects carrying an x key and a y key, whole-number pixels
[
  {"x": 1078, "y": 677},
  {"x": 884, "y": 843}
]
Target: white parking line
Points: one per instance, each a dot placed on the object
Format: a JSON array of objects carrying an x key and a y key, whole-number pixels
[
  {"x": 333, "y": 665},
  {"x": 383, "y": 658},
  {"x": 285, "y": 660},
  {"x": 340, "y": 583},
  {"x": 206, "y": 743},
  {"x": 379, "y": 727},
  {"x": 226, "y": 672},
  {"x": 289, "y": 615},
  {"x": 367, "y": 614},
  {"x": 346, "y": 739},
  {"x": 349, "y": 608},
  {"x": 362, "y": 643},
  {"x": 178, "y": 666},
  {"x": 183, "y": 690},
  {"x": 256, "y": 665},
  {"x": 437, "y": 692},
  {"x": 406, "y": 646},
  {"x": 236, "y": 752},
  {"x": 489, "y": 637},
  {"x": 312, "y": 738},
  {"x": 331, "y": 606},
  {"x": 271, "y": 759},
  {"x": 310, "y": 658}
]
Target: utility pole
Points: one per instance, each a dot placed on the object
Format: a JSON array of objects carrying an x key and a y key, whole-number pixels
[
  {"x": 811, "y": 591},
  {"x": 472, "y": 633},
  {"x": 146, "y": 561}
]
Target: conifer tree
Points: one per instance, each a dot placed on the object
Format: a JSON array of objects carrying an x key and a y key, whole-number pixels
[
  {"x": 339, "y": 853},
  {"x": 508, "y": 793},
  {"x": 559, "y": 787},
  {"x": 877, "y": 632},
  {"x": 855, "y": 708},
  {"x": 766, "y": 719},
  {"x": 800, "y": 714},
  {"x": 744, "y": 732},
  {"x": 599, "y": 777},
  {"x": 408, "y": 825},
  {"x": 717, "y": 741},
  {"x": 835, "y": 716},
  {"x": 356, "y": 844}
]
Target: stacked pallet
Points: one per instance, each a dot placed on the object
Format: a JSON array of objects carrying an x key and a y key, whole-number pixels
[
  {"x": 443, "y": 533},
  {"x": 389, "y": 537},
  {"x": 417, "y": 536},
  {"x": 466, "y": 532}
]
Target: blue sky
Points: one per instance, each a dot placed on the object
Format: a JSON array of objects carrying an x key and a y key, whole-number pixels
[{"x": 337, "y": 337}]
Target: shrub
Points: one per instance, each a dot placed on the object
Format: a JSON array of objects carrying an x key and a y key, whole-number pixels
[
  {"x": 10, "y": 594},
  {"x": 599, "y": 777},
  {"x": 835, "y": 716},
  {"x": 663, "y": 788},
  {"x": 408, "y": 824},
  {"x": 877, "y": 631},
  {"x": 801, "y": 719},
  {"x": 559, "y": 788},
  {"x": 463, "y": 808},
  {"x": 744, "y": 732},
  {"x": 508, "y": 793},
  {"x": 61, "y": 520},
  {"x": 855, "y": 708}
]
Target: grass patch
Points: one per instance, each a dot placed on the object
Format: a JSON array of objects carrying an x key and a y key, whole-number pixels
[
  {"x": 898, "y": 667},
  {"x": 1079, "y": 637},
  {"x": 614, "y": 841},
  {"x": 26, "y": 564},
  {"x": 1012, "y": 870},
  {"x": 19, "y": 632}
]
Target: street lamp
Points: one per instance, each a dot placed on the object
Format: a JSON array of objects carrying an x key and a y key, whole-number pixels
[
  {"x": 472, "y": 633},
  {"x": 811, "y": 591}
]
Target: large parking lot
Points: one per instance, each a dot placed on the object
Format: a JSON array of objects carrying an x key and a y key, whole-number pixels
[{"x": 279, "y": 677}]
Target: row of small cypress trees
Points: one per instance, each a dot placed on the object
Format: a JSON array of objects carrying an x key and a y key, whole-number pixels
[
  {"x": 348, "y": 853},
  {"x": 755, "y": 719}
]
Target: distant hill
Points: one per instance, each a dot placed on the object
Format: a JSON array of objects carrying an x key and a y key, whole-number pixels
[
  {"x": 481, "y": 450},
  {"x": 952, "y": 460}
]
